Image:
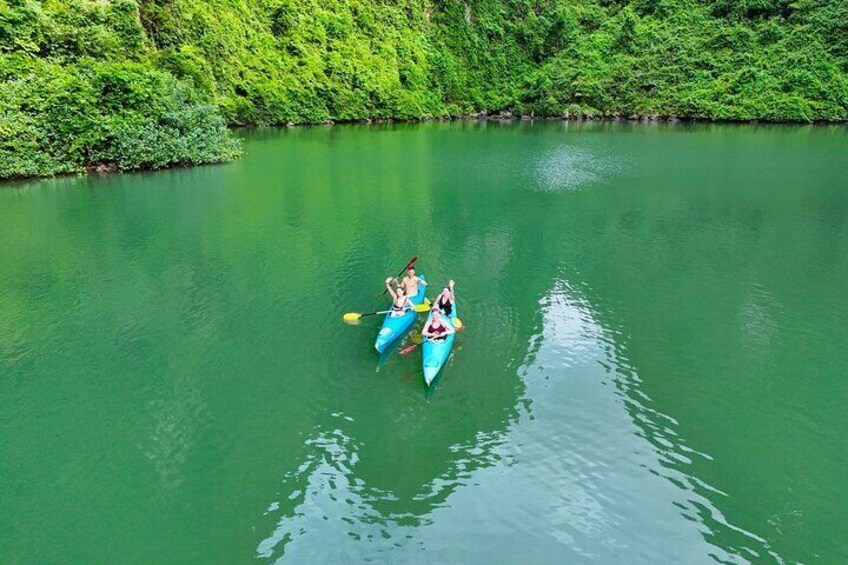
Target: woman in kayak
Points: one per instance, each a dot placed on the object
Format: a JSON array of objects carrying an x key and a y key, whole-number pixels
[
  {"x": 400, "y": 300},
  {"x": 436, "y": 329},
  {"x": 446, "y": 299}
]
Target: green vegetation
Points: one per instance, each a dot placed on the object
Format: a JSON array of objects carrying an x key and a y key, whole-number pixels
[{"x": 153, "y": 83}]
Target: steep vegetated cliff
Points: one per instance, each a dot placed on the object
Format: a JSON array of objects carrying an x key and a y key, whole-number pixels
[{"x": 152, "y": 83}]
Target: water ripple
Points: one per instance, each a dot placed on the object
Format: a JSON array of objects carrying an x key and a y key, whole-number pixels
[{"x": 569, "y": 168}]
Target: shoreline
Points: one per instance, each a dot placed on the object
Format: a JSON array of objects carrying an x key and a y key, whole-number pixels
[
  {"x": 509, "y": 117},
  {"x": 503, "y": 117}
]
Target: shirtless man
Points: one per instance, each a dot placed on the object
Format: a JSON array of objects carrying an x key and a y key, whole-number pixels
[{"x": 410, "y": 282}]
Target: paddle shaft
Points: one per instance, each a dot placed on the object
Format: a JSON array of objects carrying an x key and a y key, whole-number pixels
[
  {"x": 410, "y": 348},
  {"x": 418, "y": 308},
  {"x": 375, "y": 313}
]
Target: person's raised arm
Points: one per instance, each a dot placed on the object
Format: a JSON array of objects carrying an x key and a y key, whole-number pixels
[
  {"x": 452, "y": 295},
  {"x": 389, "y": 288}
]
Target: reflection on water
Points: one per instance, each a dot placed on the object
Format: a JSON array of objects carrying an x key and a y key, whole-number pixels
[
  {"x": 177, "y": 413},
  {"x": 759, "y": 327},
  {"x": 570, "y": 167},
  {"x": 332, "y": 511},
  {"x": 643, "y": 461},
  {"x": 613, "y": 483}
]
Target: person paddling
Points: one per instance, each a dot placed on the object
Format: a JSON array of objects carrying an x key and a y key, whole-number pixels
[
  {"x": 410, "y": 282},
  {"x": 436, "y": 329},
  {"x": 446, "y": 299},
  {"x": 400, "y": 299}
]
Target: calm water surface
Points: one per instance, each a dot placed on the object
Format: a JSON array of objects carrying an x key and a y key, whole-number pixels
[{"x": 655, "y": 367}]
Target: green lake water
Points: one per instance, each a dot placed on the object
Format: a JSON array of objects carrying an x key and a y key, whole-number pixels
[{"x": 654, "y": 367}]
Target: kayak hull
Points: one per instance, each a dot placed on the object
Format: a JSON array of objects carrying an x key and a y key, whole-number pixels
[
  {"x": 395, "y": 326},
  {"x": 435, "y": 353}
]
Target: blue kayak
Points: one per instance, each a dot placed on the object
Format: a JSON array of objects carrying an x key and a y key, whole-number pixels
[
  {"x": 436, "y": 353},
  {"x": 394, "y": 326}
]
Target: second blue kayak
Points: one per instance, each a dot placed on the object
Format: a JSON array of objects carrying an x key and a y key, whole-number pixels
[
  {"x": 394, "y": 326},
  {"x": 435, "y": 353}
]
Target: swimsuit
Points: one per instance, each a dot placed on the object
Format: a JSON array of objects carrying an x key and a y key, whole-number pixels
[
  {"x": 399, "y": 309},
  {"x": 439, "y": 330},
  {"x": 447, "y": 308}
]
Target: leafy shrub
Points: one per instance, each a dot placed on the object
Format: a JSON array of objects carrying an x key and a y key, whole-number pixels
[
  {"x": 151, "y": 83},
  {"x": 182, "y": 136},
  {"x": 57, "y": 119}
]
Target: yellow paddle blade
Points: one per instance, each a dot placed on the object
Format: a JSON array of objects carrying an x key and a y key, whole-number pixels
[
  {"x": 421, "y": 307},
  {"x": 351, "y": 316},
  {"x": 457, "y": 323}
]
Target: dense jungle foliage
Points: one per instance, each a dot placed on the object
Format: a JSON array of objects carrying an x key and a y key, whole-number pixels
[{"x": 153, "y": 83}]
